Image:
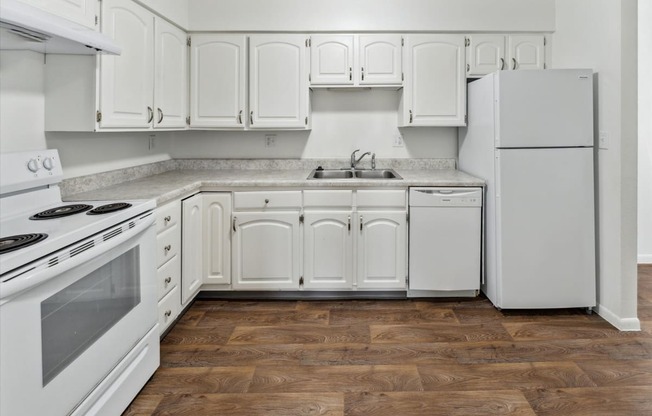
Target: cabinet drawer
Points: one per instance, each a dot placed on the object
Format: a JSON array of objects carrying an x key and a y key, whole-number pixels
[
  {"x": 381, "y": 199},
  {"x": 168, "y": 309},
  {"x": 168, "y": 244},
  {"x": 168, "y": 276},
  {"x": 273, "y": 199},
  {"x": 167, "y": 216},
  {"x": 340, "y": 198}
]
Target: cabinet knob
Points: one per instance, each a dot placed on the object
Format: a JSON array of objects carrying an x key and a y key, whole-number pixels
[
  {"x": 167, "y": 219},
  {"x": 167, "y": 248},
  {"x": 168, "y": 280},
  {"x": 168, "y": 313},
  {"x": 266, "y": 201}
]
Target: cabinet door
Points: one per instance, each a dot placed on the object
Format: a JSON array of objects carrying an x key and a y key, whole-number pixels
[
  {"x": 217, "y": 81},
  {"x": 331, "y": 60},
  {"x": 191, "y": 247},
  {"x": 486, "y": 54},
  {"x": 328, "y": 250},
  {"x": 435, "y": 87},
  {"x": 78, "y": 11},
  {"x": 526, "y": 52},
  {"x": 382, "y": 249},
  {"x": 266, "y": 250},
  {"x": 217, "y": 237},
  {"x": 127, "y": 81},
  {"x": 278, "y": 78},
  {"x": 380, "y": 59},
  {"x": 171, "y": 80}
]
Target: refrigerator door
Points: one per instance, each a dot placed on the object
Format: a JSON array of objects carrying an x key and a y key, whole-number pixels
[
  {"x": 547, "y": 108},
  {"x": 545, "y": 247}
]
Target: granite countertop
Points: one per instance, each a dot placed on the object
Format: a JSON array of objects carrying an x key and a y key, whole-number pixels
[{"x": 173, "y": 184}]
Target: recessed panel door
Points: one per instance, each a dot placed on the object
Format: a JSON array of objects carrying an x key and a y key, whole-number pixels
[
  {"x": 380, "y": 60},
  {"x": 331, "y": 59},
  {"x": 171, "y": 80},
  {"x": 381, "y": 250}
]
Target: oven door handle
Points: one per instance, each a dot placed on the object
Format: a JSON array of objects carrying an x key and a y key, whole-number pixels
[{"x": 29, "y": 279}]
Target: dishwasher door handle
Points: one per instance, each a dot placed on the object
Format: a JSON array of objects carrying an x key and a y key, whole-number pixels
[{"x": 443, "y": 192}]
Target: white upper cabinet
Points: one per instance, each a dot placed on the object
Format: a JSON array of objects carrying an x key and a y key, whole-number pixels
[
  {"x": 278, "y": 81},
  {"x": 78, "y": 11},
  {"x": 170, "y": 84},
  {"x": 218, "y": 76},
  {"x": 490, "y": 53},
  {"x": 331, "y": 60},
  {"x": 435, "y": 84},
  {"x": 126, "y": 81},
  {"x": 380, "y": 59},
  {"x": 352, "y": 60}
]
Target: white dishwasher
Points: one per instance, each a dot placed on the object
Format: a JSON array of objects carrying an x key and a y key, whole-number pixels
[{"x": 445, "y": 241}]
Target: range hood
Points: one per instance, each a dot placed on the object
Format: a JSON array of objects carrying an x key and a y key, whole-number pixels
[{"x": 25, "y": 27}]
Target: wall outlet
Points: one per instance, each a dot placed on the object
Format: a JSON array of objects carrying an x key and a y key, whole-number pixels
[
  {"x": 270, "y": 140},
  {"x": 152, "y": 141},
  {"x": 398, "y": 141},
  {"x": 603, "y": 140}
]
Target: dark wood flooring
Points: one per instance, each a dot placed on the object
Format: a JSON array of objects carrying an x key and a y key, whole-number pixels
[{"x": 400, "y": 358}]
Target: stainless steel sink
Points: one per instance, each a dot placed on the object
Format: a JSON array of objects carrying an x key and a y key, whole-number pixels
[
  {"x": 350, "y": 174},
  {"x": 330, "y": 174},
  {"x": 377, "y": 174}
]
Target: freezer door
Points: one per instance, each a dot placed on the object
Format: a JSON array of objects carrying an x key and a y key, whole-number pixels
[
  {"x": 547, "y": 108},
  {"x": 545, "y": 247}
]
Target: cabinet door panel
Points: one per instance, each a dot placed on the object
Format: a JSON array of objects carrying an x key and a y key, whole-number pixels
[
  {"x": 435, "y": 92},
  {"x": 328, "y": 250},
  {"x": 266, "y": 250},
  {"x": 79, "y": 11},
  {"x": 218, "y": 80},
  {"x": 217, "y": 241},
  {"x": 278, "y": 79},
  {"x": 526, "y": 52},
  {"x": 331, "y": 59},
  {"x": 380, "y": 59},
  {"x": 382, "y": 250},
  {"x": 171, "y": 80},
  {"x": 191, "y": 243},
  {"x": 127, "y": 81},
  {"x": 486, "y": 54}
]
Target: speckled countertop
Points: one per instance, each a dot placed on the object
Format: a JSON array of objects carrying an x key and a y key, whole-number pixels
[{"x": 174, "y": 184}]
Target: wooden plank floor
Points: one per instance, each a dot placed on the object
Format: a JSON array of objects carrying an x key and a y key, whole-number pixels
[{"x": 399, "y": 358}]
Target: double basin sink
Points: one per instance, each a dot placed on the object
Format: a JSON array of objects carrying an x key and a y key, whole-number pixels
[{"x": 354, "y": 174}]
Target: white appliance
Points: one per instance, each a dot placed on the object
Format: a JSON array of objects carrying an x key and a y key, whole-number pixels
[
  {"x": 78, "y": 295},
  {"x": 445, "y": 241},
  {"x": 530, "y": 136}
]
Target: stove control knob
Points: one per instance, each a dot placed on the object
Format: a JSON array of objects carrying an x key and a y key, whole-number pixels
[
  {"x": 32, "y": 165},
  {"x": 48, "y": 163}
]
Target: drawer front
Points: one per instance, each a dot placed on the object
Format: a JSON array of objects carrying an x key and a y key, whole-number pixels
[
  {"x": 168, "y": 244},
  {"x": 168, "y": 309},
  {"x": 273, "y": 199},
  {"x": 381, "y": 199},
  {"x": 167, "y": 216},
  {"x": 319, "y": 199},
  {"x": 169, "y": 276}
]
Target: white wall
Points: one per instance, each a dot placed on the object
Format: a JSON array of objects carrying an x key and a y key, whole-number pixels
[
  {"x": 21, "y": 101},
  {"x": 372, "y": 15},
  {"x": 601, "y": 34},
  {"x": 644, "y": 132}
]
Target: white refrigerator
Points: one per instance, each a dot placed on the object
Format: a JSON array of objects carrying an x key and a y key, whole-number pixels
[{"x": 530, "y": 136}]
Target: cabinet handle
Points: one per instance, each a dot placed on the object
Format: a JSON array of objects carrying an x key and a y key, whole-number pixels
[
  {"x": 240, "y": 117},
  {"x": 350, "y": 74},
  {"x": 167, "y": 248},
  {"x": 502, "y": 64},
  {"x": 349, "y": 223},
  {"x": 168, "y": 313},
  {"x": 251, "y": 117},
  {"x": 234, "y": 220},
  {"x": 361, "y": 222},
  {"x": 266, "y": 201},
  {"x": 167, "y": 219},
  {"x": 362, "y": 69},
  {"x": 411, "y": 116},
  {"x": 150, "y": 114},
  {"x": 168, "y": 280},
  {"x": 514, "y": 63},
  {"x": 160, "y": 115}
]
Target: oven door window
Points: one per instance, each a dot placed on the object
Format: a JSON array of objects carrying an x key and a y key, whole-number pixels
[{"x": 75, "y": 317}]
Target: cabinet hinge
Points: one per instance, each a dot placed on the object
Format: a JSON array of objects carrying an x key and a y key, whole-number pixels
[
  {"x": 309, "y": 77},
  {"x": 402, "y": 76},
  {"x": 544, "y": 65},
  {"x": 466, "y": 118},
  {"x": 306, "y": 120},
  {"x": 308, "y": 43},
  {"x": 301, "y": 218},
  {"x": 189, "y": 41},
  {"x": 188, "y": 120},
  {"x": 402, "y": 42},
  {"x": 97, "y": 20},
  {"x": 98, "y": 116},
  {"x": 467, "y": 41},
  {"x": 544, "y": 41},
  {"x": 301, "y": 281},
  {"x": 468, "y": 67}
]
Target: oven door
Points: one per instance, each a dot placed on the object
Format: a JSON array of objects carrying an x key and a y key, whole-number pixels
[{"x": 61, "y": 337}]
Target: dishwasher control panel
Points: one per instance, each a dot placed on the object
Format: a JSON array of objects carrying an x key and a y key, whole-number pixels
[{"x": 446, "y": 197}]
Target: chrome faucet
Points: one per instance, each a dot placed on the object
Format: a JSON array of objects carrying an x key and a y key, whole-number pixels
[{"x": 354, "y": 161}]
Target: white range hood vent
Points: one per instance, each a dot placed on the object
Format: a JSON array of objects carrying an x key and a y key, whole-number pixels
[{"x": 24, "y": 27}]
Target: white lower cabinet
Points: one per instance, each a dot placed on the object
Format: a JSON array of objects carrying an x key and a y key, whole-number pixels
[
  {"x": 382, "y": 249},
  {"x": 191, "y": 243},
  {"x": 216, "y": 238},
  {"x": 168, "y": 229},
  {"x": 168, "y": 309}
]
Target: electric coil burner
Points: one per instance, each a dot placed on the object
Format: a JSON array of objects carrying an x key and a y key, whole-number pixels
[
  {"x": 16, "y": 242},
  {"x": 108, "y": 208},
  {"x": 62, "y": 211}
]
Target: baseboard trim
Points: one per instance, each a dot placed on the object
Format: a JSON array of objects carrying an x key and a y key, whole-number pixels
[
  {"x": 645, "y": 259},
  {"x": 623, "y": 324}
]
